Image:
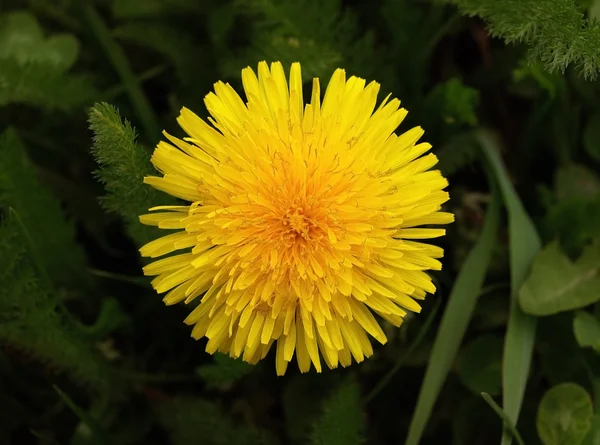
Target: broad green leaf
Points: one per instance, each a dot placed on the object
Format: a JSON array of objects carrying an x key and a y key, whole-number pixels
[
  {"x": 591, "y": 133},
  {"x": 224, "y": 371},
  {"x": 524, "y": 245},
  {"x": 576, "y": 181},
  {"x": 22, "y": 38},
  {"x": 564, "y": 415},
  {"x": 556, "y": 284},
  {"x": 455, "y": 320},
  {"x": 341, "y": 421},
  {"x": 593, "y": 435},
  {"x": 479, "y": 365},
  {"x": 587, "y": 330}
]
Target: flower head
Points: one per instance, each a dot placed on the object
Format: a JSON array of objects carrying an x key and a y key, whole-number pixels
[{"x": 302, "y": 219}]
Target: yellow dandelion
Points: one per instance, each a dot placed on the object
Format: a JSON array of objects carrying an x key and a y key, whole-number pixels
[{"x": 302, "y": 219}]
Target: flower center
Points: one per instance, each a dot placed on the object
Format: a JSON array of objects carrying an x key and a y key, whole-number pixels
[{"x": 296, "y": 222}]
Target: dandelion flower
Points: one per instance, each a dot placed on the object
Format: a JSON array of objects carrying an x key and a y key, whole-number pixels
[{"x": 301, "y": 221}]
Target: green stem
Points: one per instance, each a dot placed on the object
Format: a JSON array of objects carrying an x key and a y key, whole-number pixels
[
  {"x": 508, "y": 425},
  {"x": 121, "y": 65}
]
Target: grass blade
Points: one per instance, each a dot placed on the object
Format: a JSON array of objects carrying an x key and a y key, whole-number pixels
[
  {"x": 524, "y": 245},
  {"x": 455, "y": 320},
  {"x": 98, "y": 435}
]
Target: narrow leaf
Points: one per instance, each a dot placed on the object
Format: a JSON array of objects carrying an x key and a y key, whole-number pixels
[
  {"x": 455, "y": 320},
  {"x": 99, "y": 436},
  {"x": 524, "y": 246},
  {"x": 507, "y": 422}
]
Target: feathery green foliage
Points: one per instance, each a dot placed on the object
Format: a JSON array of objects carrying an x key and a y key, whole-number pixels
[
  {"x": 341, "y": 421},
  {"x": 318, "y": 35},
  {"x": 31, "y": 320},
  {"x": 123, "y": 165},
  {"x": 191, "y": 420},
  {"x": 555, "y": 31},
  {"x": 40, "y": 212}
]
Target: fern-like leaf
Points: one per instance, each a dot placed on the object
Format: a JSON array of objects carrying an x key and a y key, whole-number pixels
[
  {"x": 40, "y": 212},
  {"x": 30, "y": 320},
  {"x": 192, "y": 420},
  {"x": 555, "y": 31},
  {"x": 123, "y": 165}
]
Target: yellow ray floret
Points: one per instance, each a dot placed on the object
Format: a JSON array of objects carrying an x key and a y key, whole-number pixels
[{"x": 303, "y": 220}]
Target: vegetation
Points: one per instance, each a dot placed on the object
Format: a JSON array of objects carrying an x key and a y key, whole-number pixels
[{"x": 507, "y": 350}]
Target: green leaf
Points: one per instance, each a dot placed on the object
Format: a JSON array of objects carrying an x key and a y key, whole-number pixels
[
  {"x": 587, "y": 330},
  {"x": 54, "y": 238},
  {"x": 190, "y": 420},
  {"x": 455, "y": 320},
  {"x": 224, "y": 371},
  {"x": 564, "y": 415},
  {"x": 21, "y": 38},
  {"x": 505, "y": 419},
  {"x": 455, "y": 102},
  {"x": 593, "y": 435},
  {"x": 591, "y": 133},
  {"x": 123, "y": 165},
  {"x": 479, "y": 364},
  {"x": 576, "y": 181},
  {"x": 524, "y": 244},
  {"x": 556, "y": 284},
  {"x": 555, "y": 31},
  {"x": 341, "y": 421},
  {"x": 30, "y": 320}
]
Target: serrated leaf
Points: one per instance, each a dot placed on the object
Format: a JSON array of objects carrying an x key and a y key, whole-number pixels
[
  {"x": 564, "y": 415},
  {"x": 341, "y": 421},
  {"x": 556, "y": 284},
  {"x": 480, "y": 365},
  {"x": 586, "y": 328}
]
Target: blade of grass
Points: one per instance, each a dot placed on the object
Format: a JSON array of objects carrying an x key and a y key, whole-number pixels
[
  {"x": 121, "y": 65},
  {"x": 413, "y": 346},
  {"x": 98, "y": 436},
  {"x": 455, "y": 320},
  {"x": 507, "y": 422},
  {"x": 524, "y": 245}
]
